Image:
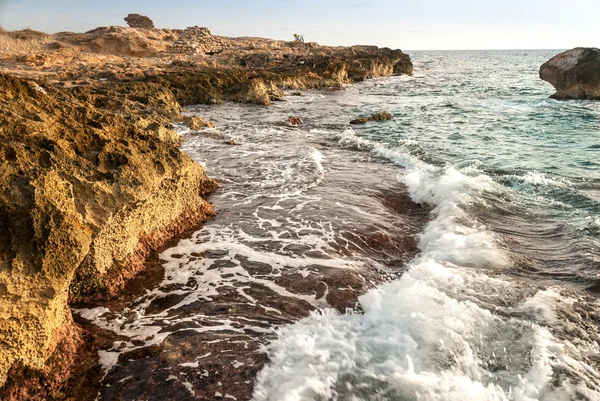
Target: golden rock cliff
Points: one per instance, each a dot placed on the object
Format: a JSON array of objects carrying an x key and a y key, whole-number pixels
[{"x": 90, "y": 183}]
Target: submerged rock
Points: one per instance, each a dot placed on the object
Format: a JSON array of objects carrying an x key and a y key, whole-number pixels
[
  {"x": 381, "y": 116},
  {"x": 360, "y": 120},
  {"x": 575, "y": 74},
  {"x": 294, "y": 121}
]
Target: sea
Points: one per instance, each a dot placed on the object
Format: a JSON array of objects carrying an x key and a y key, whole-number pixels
[{"x": 450, "y": 254}]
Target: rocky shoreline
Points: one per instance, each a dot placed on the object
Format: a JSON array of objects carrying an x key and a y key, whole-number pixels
[{"x": 93, "y": 180}]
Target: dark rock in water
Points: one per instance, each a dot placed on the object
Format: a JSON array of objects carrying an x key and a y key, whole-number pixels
[
  {"x": 294, "y": 121},
  {"x": 296, "y": 94},
  {"x": 360, "y": 120},
  {"x": 139, "y": 21},
  {"x": 381, "y": 116},
  {"x": 575, "y": 74}
]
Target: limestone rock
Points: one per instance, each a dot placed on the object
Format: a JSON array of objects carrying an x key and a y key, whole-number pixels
[
  {"x": 575, "y": 74},
  {"x": 196, "y": 40},
  {"x": 197, "y": 123},
  {"x": 91, "y": 182},
  {"x": 360, "y": 120},
  {"x": 139, "y": 21}
]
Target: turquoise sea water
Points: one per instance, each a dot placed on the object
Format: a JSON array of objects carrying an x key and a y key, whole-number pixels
[{"x": 487, "y": 113}]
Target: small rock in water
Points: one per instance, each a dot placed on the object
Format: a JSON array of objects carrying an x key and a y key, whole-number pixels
[
  {"x": 294, "y": 121},
  {"x": 381, "y": 116},
  {"x": 296, "y": 94},
  {"x": 213, "y": 134},
  {"x": 360, "y": 120},
  {"x": 197, "y": 123},
  {"x": 230, "y": 142}
]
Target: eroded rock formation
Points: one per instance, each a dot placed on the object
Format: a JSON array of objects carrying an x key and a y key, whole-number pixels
[
  {"x": 139, "y": 21},
  {"x": 91, "y": 182},
  {"x": 575, "y": 74}
]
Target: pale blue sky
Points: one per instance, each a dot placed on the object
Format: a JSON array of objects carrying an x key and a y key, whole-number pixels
[{"x": 409, "y": 25}]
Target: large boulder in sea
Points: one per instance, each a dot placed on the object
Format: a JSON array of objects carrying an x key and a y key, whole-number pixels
[{"x": 575, "y": 74}]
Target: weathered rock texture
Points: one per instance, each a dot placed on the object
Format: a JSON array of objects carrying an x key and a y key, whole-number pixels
[
  {"x": 381, "y": 116},
  {"x": 91, "y": 182},
  {"x": 139, "y": 21},
  {"x": 92, "y": 179},
  {"x": 575, "y": 74},
  {"x": 196, "y": 40}
]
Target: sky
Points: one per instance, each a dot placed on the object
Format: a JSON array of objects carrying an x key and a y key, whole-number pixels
[{"x": 403, "y": 24}]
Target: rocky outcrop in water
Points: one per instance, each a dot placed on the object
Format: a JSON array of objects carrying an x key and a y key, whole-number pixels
[
  {"x": 197, "y": 123},
  {"x": 575, "y": 74},
  {"x": 381, "y": 116},
  {"x": 139, "y": 21}
]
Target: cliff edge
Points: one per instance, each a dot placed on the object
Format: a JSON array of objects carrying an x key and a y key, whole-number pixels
[{"x": 91, "y": 182}]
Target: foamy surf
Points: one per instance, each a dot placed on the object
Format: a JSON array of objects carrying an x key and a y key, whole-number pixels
[{"x": 445, "y": 330}]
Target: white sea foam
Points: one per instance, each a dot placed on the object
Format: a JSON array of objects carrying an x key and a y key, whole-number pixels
[{"x": 446, "y": 330}]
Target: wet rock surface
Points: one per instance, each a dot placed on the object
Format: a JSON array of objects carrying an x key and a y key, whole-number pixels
[
  {"x": 381, "y": 116},
  {"x": 575, "y": 74}
]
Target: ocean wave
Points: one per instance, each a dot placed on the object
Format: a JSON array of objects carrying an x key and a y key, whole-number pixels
[{"x": 445, "y": 330}]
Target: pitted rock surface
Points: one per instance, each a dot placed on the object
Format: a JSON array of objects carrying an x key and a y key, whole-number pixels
[{"x": 139, "y": 21}]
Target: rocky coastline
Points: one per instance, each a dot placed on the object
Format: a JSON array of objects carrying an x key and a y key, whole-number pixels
[{"x": 93, "y": 180}]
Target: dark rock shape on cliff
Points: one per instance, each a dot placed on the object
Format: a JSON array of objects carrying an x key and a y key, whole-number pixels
[
  {"x": 139, "y": 21},
  {"x": 575, "y": 74}
]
